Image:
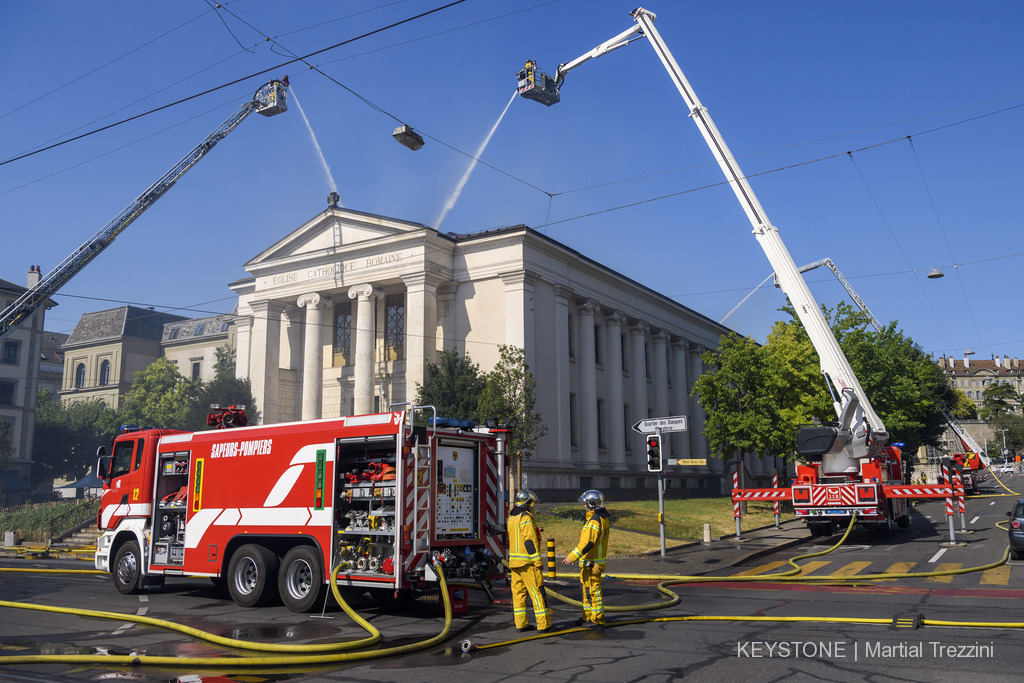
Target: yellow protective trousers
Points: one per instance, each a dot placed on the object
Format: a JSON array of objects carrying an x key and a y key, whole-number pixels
[
  {"x": 527, "y": 580},
  {"x": 593, "y": 600}
]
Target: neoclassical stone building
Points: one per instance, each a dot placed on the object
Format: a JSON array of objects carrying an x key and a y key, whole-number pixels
[{"x": 342, "y": 315}]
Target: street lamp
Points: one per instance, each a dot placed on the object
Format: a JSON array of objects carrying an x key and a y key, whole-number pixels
[{"x": 1004, "y": 442}]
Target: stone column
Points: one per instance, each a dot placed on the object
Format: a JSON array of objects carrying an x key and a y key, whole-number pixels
[
  {"x": 265, "y": 356},
  {"x": 659, "y": 374},
  {"x": 420, "y": 327},
  {"x": 638, "y": 375},
  {"x": 698, "y": 442},
  {"x": 561, "y": 324},
  {"x": 312, "y": 353},
  {"x": 613, "y": 368},
  {"x": 366, "y": 332},
  {"x": 446, "y": 315},
  {"x": 681, "y": 401},
  {"x": 519, "y": 312},
  {"x": 588, "y": 385}
]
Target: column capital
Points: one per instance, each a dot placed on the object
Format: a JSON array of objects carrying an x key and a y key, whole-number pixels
[
  {"x": 526, "y": 278},
  {"x": 662, "y": 336},
  {"x": 589, "y": 306},
  {"x": 365, "y": 292},
  {"x": 562, "y": 293},
  {"x": 312, "y": 300},
  {"x": 423, "y": 279},
  {"x": 615, "y": 318},
  {"x": 640, "y": 328},
  {"x": 681, "y": 345}
]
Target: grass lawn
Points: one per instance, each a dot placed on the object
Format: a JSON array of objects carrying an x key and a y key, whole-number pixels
[{"x": 635, "y": 524}]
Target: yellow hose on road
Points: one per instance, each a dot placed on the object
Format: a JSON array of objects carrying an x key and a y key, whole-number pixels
[{"x": 221, "y": 661}]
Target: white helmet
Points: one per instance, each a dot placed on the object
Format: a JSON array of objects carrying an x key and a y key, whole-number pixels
[
  {"x": 593, "y": 499},
  {"x": 525, "y": 498}
]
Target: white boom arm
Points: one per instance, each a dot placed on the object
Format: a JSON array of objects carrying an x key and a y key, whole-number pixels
[
  {"x": 860, "y": 433},
  {"x": 269, "y": 100}
]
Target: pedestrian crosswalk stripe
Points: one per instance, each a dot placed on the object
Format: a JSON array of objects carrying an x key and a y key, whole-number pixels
[
  {"x": 806, "y": 569},
  {"x": 851, "y": 569},
  {"x": 998, "y": 576},
  {"x": 898, "y": 568},
  {"x": 944, "y": 567},
  {"x": 761, "y": 569}
]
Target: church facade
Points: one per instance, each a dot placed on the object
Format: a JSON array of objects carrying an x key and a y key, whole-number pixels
[{"x": 344, "y": 313}]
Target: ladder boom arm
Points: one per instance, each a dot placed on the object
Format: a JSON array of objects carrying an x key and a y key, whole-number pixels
[{"x": 269, "y": 100}]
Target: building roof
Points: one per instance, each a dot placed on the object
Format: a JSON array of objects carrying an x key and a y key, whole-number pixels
[
  {"x": 50, "y": 350},
  {"x": 117, "y": 323},
  {"x": 1001, "y": 366},
  {"x": 197, "y": 328}
]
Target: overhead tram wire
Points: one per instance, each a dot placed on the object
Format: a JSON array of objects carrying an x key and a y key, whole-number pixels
[
  {"x": 945, "y": 239},
  {"x": 381, "y": 110},
  {"x": 917, "y": 280},
  {"x": 234, "y": 82}
]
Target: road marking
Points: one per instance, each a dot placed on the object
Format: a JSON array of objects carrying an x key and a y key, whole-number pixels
[
  {"x": 851, "y": 569},
  {"x": 762, "y": 569},
  {"x": 944, "y": 567},
  {"x": 999, "y": 576},
  {"x": 975, "y": 519},
  {"x": 813, "y": 566},
  {"x": 992, "y": 503},
  {"x": 889, "y": 548},
  {"x": 898, "y": 568},
  {"x": 936, "y": 556}
]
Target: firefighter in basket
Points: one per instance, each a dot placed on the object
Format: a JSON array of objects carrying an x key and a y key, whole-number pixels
[
  {"x": 591, "y": 553},
  {"x": 525, "y": 564}
]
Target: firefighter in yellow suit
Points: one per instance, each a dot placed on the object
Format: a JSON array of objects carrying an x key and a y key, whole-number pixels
[
  {"x": 524, "y": 563},
  {"x": 591, "y": 554}
]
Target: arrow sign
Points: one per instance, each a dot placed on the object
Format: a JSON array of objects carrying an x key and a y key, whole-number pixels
[{"x": 665, "y": 424}]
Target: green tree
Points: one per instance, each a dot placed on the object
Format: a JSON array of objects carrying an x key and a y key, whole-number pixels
[
  {"x": 1014, "y": 426},
  {"x": 6, "y": 442},
  {"x": 66, "y": 436},
  {"x": 905, "y": 386},
  {"x": 997, "y": 399},
  {"x": 510, "y": 392},
  {"x": 224, "y": 389},
  {"x": 161, "y": 397},
  {"x": 453, "y": 386}
]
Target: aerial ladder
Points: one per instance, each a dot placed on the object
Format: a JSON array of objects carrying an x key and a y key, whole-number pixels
[
  {"x": 846, "y": 285},
  {"x": 851, "y": 470},
  {"x": 269, "y": 100},
  {"x": 973, "y": 461}
]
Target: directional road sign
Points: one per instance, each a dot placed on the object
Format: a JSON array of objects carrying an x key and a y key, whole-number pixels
[{"x": 665, "y": 424}]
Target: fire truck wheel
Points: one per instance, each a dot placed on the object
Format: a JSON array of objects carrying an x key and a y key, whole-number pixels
[
  {"x": 252, "y": 575},
  {"x": 128, "y": 568},
  {"x": 301, "y": 580}
]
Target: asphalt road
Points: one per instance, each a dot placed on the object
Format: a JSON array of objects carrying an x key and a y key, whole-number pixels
[{"x": 657, "y": 645}]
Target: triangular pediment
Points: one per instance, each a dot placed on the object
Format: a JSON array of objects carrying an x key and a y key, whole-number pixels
[{"x": 330, "y": 232}]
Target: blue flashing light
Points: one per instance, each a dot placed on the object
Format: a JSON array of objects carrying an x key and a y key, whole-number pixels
[
  {"x": 452, "y": 423},
  {"x": 131, "y": 428}
]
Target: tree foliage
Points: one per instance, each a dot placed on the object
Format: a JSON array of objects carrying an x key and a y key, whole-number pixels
[
  {"x": 511, "y": 392},
  {"x": 66, "y": 436},
  {"x": 998, "y": 399},
  {"x": 756, "y": 397},
  {"x": 161, "y": 397},
  {"x": 453, "y": 386},
  {"x": 6, "y": 441}
]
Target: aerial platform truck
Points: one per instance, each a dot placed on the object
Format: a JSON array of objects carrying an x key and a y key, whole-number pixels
[
  {"x": 849, "y": 467},
  {"x": 273, "y": 512},
  {"x": 972, "y": 460}
]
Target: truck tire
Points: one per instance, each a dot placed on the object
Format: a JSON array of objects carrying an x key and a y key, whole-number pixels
[
  {"x": 301, "y": 579},
  {"x": 127, "y": 571},
  {"x": 252, "y": 575}
]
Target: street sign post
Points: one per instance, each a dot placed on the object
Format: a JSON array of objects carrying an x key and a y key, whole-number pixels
[{"x": 661, "y": 424}]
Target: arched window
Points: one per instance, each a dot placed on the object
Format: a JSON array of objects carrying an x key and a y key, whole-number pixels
[
  {"x": 104, "y": 373},
  {"x": 80, "y": 376}
]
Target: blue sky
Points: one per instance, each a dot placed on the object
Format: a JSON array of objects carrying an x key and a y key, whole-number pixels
[{"x": 927, "y": 96}]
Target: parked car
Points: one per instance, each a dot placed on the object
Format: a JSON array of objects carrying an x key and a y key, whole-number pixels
[
  {"x": 1016, "y": 530},
  {"x": 1005, "y": 468}
]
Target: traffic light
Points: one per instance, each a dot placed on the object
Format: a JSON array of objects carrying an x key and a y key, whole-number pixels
[{"x": 654, "y": 463}]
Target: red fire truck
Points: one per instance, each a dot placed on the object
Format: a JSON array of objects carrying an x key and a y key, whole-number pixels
[{"x": 269, "y": 511}]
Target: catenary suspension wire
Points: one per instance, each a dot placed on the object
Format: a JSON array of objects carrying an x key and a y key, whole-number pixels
[{"x": 234, "y": 82}]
